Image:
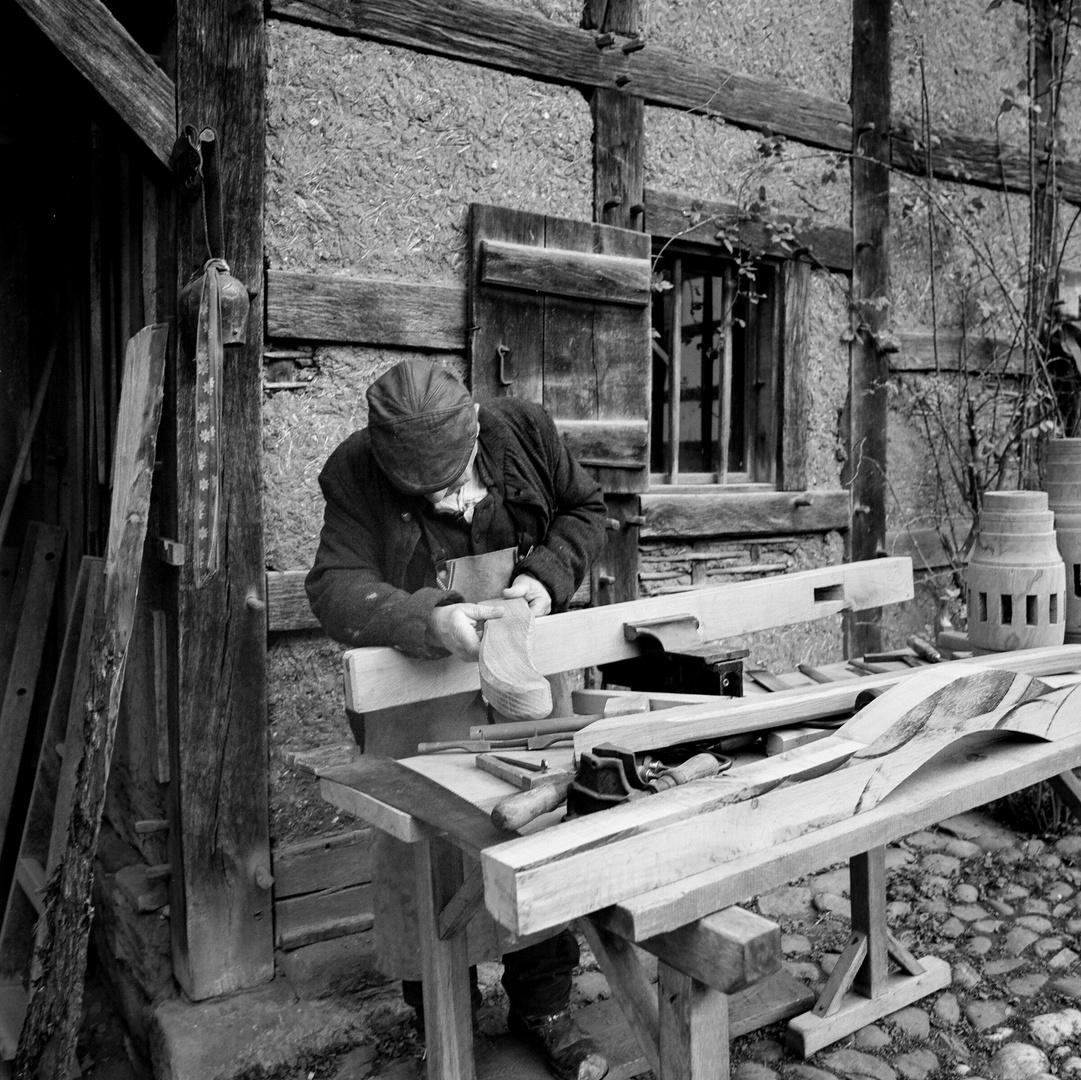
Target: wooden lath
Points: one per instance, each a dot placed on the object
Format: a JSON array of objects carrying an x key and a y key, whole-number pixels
[
  {"x": 497, "y": 35},
  {"x": 91, "y": 38}
]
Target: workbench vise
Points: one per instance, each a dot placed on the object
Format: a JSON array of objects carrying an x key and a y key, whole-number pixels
[{"x": 675, "y": 659}]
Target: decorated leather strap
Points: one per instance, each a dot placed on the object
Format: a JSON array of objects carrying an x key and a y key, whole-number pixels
[{"x": 209, "y": 356}]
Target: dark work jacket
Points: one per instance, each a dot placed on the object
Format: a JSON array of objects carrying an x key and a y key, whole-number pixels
[{"x": 367, "y": 589}]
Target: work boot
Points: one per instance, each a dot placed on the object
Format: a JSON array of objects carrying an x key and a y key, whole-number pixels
[{"x": 569, "y": 1052}]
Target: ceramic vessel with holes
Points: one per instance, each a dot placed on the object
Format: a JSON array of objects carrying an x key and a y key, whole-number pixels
[{"x": 1016, "y": 578}]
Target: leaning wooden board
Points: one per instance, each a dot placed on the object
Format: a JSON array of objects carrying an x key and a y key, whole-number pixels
[
  {"x": 584, "y": 865},
  {"x": 378, "y": 678}
]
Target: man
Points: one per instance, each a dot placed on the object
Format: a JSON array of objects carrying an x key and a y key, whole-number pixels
[{"x": 438, "y": 505}]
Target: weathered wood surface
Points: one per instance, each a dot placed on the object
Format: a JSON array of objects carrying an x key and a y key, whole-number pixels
[
  {"x": 796, "y": 378},
  {"x": 22, "y": 653},
  {"x": 693, "y": 1029},
  {"x": 47, "y": 1045},
  {"x": 587, "y": 864},
  {"x": 952, "y": 350},
  {"x": 377, "y": 677},
  {"x": 318, "y": 865},
  {"x": 526, "y": 43},
  {"x": 50, "y": 799},
  {"x": 319, "y": 916},
  {"x": 609, "y": 444},
  {"x": 219, "y": 844},
  {"x": 91, "y": 38},
  {"x": 508, "y": 680},
  {"x": 287, "y": 606},
  {"x": 582, "y": 275},
  {"x": 371, "y": 311},
  {"x": 746, "y": 513},
  {"x": 701, "y": 221},
  {"x": 865, "y": 469}
]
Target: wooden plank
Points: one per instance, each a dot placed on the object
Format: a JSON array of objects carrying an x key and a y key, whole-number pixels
[
  {"x": 630, "y": 986},
  {"x": 393, "y": 785},
  {"x": 444, "y": 964},
  {"x": 865, "y": 469},
  {"x": 220, "y": 895},
  {"x": 378, "y": 677},
  {"x": 727, "y": 950},
  {"x": 90, "y": 37},
  {"x": 319, "y": 916},
  {"x": 694, "y": 1034},
  {"x": 318, "y": 865},
  {"x": 795, "y": 376},
  {"x": 47, "y": 1047},
  {"x": 747, "y": 513},
  {"x": 606, "y": 278},
  {"x": 699, "y": 221},
  {"x": 46, "y": 814},
  {"x": 777, "y": 997},
  {"x": 287, "y": 606},
  {"x": 611, "y": 444},
  {"x": 953, "y": 350},
  {"x": 737, "y": 715},
  {"x": 40, "y": 566},
  {"x": 575, "y": 866},
  {"x": 506, "y": 346},
  {"x": 370, "y": 311}
]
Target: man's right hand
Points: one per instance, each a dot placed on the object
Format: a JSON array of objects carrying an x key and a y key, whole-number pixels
[{"x": 457, "y": 627}]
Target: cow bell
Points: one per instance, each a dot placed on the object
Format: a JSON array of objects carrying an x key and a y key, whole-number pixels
[{"x": 234, "y": 308}]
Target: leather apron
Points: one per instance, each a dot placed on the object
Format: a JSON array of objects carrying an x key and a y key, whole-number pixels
[{"x": 395, "y": 733}]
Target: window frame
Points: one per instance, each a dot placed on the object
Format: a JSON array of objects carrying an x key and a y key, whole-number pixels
[{"x": 763, "y": 383}]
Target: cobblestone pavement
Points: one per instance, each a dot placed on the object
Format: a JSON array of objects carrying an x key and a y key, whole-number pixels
[{"x": 1001, "y": 907}]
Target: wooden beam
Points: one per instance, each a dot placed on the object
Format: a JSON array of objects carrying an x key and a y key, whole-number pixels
[
  {"x": 742, "y": 513},
  {"x": 369, "y": 311},
  {"x": 865, "y": 469},
  {"x": 378, "y": 677},
  {"x": 219, "y": 840},
  {"x": 580, "y": 275},
  {"x": 953, "y": 350},
  {"x": 287, "y": 605},
  {"x": 610, "y": 444},
  {"x": 92, "y": 39},
  {"x": 693, "y": 1036},
  {"x": 700, "y": 221},
  {"x": 527, "y": 43},
  {"x": 796, "y": 380}
]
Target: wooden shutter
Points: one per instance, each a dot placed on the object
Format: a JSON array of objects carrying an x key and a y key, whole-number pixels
[{"x": 559, "y": 313}]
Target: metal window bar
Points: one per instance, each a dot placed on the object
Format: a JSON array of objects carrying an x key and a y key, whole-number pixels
[
  {"x": 675, "y": 370},
  {"x": 724, "y": 404}
]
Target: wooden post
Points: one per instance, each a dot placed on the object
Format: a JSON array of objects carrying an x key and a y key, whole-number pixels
[
  {"x": 868, "y": 365},
  {"x": 220, "y": 897},
  {"x": 693, "y": 1028},
  {"x": 618, "y": 199}
]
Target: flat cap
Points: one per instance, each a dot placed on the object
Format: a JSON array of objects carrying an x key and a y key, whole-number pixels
[{"x": 422, "y": 426}]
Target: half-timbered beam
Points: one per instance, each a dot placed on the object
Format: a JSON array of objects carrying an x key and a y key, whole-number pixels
[
  {"x": 107, "y": 56},
  {"x": 502, "y": 36},
  {"x": 220, "y": 898},
  {"x": 865, "y": 470}
]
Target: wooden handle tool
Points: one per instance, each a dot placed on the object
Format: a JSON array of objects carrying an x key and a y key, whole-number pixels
[
  {"x": 694, "y": 768},
  {"x": 518, "y": 810}
]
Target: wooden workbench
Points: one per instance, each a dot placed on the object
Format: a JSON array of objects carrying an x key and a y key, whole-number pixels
[{"x": 684, "y": 1029}]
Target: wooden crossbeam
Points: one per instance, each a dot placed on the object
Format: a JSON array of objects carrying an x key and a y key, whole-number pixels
[
  {"x": 523, "y": 42},
  {"x": 94, "y": 41},
  {"x": 376, "y": 678}
]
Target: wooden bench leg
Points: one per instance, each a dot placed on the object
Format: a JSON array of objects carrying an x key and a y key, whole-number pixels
[
  {"x": 693, "y": 1027},
  {"x": 448, "y": 1018},
  {"x": 860, "y": 988}
]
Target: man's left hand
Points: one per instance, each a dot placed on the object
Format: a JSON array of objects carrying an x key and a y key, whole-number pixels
[{"x": 532, "y": 591}]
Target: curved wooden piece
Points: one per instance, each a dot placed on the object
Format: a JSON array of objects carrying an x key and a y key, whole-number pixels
[
  {"x": 592, "y": 862},
  {"x": 509, "y": 681}
]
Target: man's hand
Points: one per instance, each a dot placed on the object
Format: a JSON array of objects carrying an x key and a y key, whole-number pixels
[
  {"x": 457, "y": 627},
  {"x": 535, "y": 594}
]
